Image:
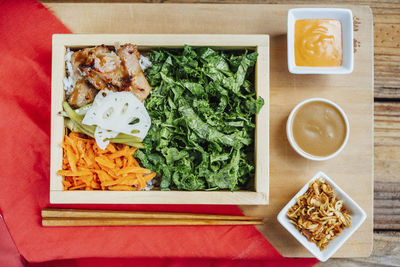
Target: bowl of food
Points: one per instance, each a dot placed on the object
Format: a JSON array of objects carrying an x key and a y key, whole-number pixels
[
  {"x": 159, "y": 119},
  {"x": 321, "y": 216},
  {"x": 320, "y": 41},
  {"x": 317, "y": 129}
]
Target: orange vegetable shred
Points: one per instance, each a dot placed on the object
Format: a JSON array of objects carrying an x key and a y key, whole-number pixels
[{"x": 87, "y": 167}]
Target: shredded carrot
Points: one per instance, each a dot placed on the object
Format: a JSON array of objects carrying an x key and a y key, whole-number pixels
[
  {"x": 87, "y": 167},
  {"x": 133, "y": 170},
  {"x": 122, "y": 188},
  {"x": 150, "y": 176},
  {"x": 74, "y": 173},
  {"x": 104, "y": 161}
]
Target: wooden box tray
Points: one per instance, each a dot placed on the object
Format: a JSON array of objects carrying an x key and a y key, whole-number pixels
[
  {"x": 352, "y": 170},
  {"x": 259, "y": 43}
]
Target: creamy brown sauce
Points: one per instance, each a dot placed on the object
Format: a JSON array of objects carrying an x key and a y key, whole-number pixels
[{"x": 319, "y": 128}]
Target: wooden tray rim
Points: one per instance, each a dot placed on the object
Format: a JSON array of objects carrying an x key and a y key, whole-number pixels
[{"x": 260, "y": 42}]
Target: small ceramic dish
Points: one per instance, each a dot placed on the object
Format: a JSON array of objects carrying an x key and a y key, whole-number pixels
[
  {"x": 357, "y": 218},
  {"x": 345, "y": 17},
  {"x": 289, "y": 131}
]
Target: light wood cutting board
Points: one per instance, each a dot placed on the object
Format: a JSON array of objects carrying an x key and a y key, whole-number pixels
[{"x": 352, "y": 170}]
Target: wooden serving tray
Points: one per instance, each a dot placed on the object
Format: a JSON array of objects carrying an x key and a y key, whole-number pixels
[
  {"x": 256, "y": 42},
  {"x": 352, "y": 169}
]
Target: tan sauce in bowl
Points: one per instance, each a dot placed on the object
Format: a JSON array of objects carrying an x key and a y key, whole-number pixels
[{"x": 319, "y": 129}]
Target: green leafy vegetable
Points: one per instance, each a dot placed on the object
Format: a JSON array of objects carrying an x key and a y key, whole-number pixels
[{"x": 202, "y": 108}]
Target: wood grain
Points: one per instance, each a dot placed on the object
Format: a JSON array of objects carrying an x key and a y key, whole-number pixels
[
  {"x": 386, "y": 36},
  {"x": 387, "y": 142},
  {"x": 288, "y": 171},
  {"x": 387, "y": 137},
  {"x": 387, "y": 166},
  {"x": 132, "y": 222},
  {"x": 387, "y": 206},
  {"x": 385, "y": 253},
  {"x": 386, "y": 191},
  {"x": 386, "y": 40},
  {"x": 121, "y": 214},
  {"x": 258, "y": 42},
  {"x": 78, "y": 217}
]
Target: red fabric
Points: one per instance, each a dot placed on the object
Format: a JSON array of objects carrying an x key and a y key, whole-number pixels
[
  {"x": 26, "y": 28},
  {"x": 9, "y": 253},
  {"x": 182, "y": 262}
]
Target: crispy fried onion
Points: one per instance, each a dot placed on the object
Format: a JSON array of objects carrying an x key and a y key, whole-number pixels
[{"x": 318, "y": 215}]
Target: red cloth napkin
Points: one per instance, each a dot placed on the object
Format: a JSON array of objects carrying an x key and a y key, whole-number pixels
[
  {"x": 26, "y": 28},
  {"x": 9, "y": 254}
]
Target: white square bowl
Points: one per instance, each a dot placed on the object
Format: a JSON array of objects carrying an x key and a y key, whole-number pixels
[
  {"x": 345, "y": 17},
  {"x": 357, "y": 218}
]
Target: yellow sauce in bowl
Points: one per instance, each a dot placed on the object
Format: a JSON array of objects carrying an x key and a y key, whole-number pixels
[
  {"x": 318, "y": 43},
  {"x": 319, "y": 128}
]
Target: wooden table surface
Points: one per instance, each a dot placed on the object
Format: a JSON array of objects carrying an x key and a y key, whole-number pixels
[{"x": 386, "y": 250}]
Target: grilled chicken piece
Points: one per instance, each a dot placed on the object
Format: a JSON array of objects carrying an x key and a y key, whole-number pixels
[
  {"x": 136, "y": 82},
  {"x": 101, "y": 67},
  {"x": 82, "y": 95},
  {"x": 82, "y": 57}
]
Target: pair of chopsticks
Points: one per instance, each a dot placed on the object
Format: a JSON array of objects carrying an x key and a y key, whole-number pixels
[{"x": 78, "y": 217}]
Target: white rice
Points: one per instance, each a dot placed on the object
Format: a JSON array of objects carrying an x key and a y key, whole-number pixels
[
  {"x": 144, "y": 63},
  {"x": 69, "y": 82},
  {"x": 149, "y": 185}
]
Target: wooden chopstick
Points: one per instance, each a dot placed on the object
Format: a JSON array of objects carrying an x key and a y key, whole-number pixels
[
  {"x": 119, "y": 222},
  {"x": 79, "y": 217},
  {"x": 79, "y": 213}
]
